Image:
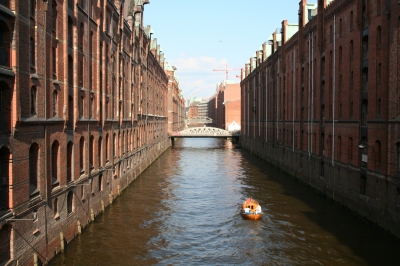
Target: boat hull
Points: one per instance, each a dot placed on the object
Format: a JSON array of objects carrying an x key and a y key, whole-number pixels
[{"x": 251, "y": 216}]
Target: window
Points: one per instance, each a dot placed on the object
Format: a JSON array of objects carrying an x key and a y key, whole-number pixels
[
  {"x": 379, "y": 74},
  {"x": 91, "y": 152},
  {"x": 107, "y": 148},
  {"x": 364, "y": 15},
  {"x": 82, "y": 4},
  {"x": 91, "y": 105},
  {"x": 55, "y": 181},
  {"x": 54, "y": 57},
  {"x": 99, "y": 151},
  {"x": 55, "y": 99},
  {"x": 379, "y": 38},
  {"x": 115, "y": 146},
  {"x": 32, "y": 52},
  {"x": 81, "y": 105},
  {"x": 340, "y": 28},
  {"x": 364, "y": 113},
  {"x": 351, "y": 21},
  {"x": 33, "y": 8},
  {"x": 378, "y": 7},
  {"x": 55, "y": 208},
  {"x": 363, "y": 185},
  {"x": 81, "y": 35},
  {"x": 70, "y": 32},
  {"x": 33, "y": 169},
  {"x": 351, "y": 80},
  {"x": 70, "y": 71},
  {"x": 5, "y": 44},
  {"x": 70, "y": 199},
  {"x": 82, "y": 155},
  {"x": 100, "y": 183},
  {"x": 70, "y": 123},
  {"x": 339, "y": 149},
  {"x": 350, "y": 150},
  {"x": 5, "y": 108},
  {"x": 365, "y": 79},
  {"x": 54, "y": 9},
  {"x": 70, "y": 149},
  {"x": 33, "y": 101},
  {"x": 351, "y": 50}
]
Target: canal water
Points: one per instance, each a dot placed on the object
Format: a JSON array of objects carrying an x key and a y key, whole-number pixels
[{"x": 183, "y": 211}]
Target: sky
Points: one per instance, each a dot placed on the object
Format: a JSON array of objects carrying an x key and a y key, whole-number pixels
[{"x": 198, "y": 37}]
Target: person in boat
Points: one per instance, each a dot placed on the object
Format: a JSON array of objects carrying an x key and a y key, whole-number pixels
[
  {"x": 258, "y": 209},
  {"x": 246, "y": 210}
]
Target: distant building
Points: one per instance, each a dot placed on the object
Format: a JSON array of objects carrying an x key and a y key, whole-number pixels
[{"x": 228, "y": 104}]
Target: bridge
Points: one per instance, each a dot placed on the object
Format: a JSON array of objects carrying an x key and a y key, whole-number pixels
[
  {"x": 205, "y": 132},
  {"x": 199, "y": 120}
]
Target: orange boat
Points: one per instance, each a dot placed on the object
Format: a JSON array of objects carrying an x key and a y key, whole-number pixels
[{"x": 251, "y": 209}]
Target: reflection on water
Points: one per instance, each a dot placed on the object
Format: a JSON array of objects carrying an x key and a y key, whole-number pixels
[{"x": 183, "y": 211}]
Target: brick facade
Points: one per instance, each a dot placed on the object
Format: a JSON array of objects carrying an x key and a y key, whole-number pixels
[
  {"x": 321, "y": 101},
  {"x": 84, "y": 110}
]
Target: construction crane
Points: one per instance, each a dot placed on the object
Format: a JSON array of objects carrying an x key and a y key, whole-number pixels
[{"x": 227, "y": 70}]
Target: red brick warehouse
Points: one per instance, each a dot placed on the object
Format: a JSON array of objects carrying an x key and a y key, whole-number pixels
[
  {"x": 321, "y": 101},
  {"x": 84, "y": 110}
]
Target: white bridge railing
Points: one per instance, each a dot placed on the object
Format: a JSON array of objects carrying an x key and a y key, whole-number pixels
[{"x": 205, "y": 132}]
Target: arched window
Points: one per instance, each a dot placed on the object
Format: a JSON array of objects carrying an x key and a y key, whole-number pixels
[
  {"x": 70, "y": 149},
  {"x": 33, "y": 169},
  {"x": 70, "y": 200},
  {"x": 339, "y": 149},
  {"x": 55, "y": 181},
  {"x": 5, "y": 108},
  {"x": 82, "y": 155}
]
